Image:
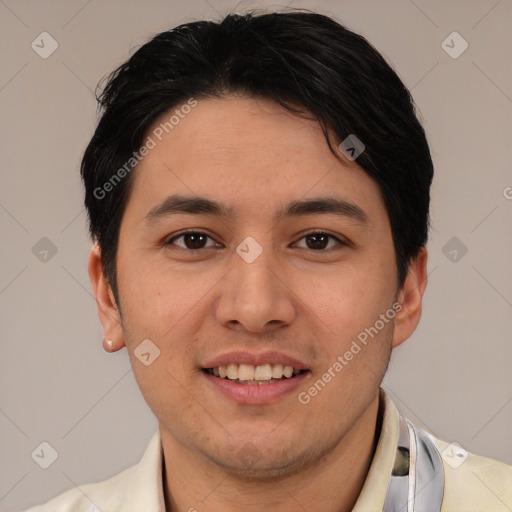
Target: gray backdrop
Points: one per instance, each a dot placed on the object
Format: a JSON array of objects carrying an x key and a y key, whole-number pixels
[{"x": 57, "y": 385}]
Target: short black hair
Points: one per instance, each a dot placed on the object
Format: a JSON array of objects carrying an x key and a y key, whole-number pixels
[{"x": 306, "y": 62}]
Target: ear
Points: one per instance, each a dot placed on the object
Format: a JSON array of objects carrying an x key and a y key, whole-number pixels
[
  {"x": 411, "y": 298},
  {"x": 107, "y": 308}
]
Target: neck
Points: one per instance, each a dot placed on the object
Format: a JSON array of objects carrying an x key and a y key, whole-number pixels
[{"x": 331, "y": 484}]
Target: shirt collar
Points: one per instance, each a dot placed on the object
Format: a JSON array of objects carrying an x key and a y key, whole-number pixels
[
  {"x": 373, "y": 493},
  {"x": 146, "y": 489}
]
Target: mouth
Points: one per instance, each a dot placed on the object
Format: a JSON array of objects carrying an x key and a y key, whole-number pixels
[
  {"x": 263, "y": 383},
  {"x": 250, "y": 375}
]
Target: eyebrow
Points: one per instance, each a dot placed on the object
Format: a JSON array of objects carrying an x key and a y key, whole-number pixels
[{"x": 179, "y": 204}]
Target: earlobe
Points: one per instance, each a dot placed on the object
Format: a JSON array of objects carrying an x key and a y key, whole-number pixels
[
  {"x": 411, "y": 298},
  {"x": 107, "y": 308},
  {"x": 108, "y": 345}
]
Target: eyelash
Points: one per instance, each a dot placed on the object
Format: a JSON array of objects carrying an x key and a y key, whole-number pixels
[{"x": 339, "y": 242}]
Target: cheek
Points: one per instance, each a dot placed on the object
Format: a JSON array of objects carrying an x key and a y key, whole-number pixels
[
  {"x": 355, "y": 340},
  {"x": 349, "y": 299},
  {"x": 170, "y": 396},
  {"x": 158, "y": 298}
]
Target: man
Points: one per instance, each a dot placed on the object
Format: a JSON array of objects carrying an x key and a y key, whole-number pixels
[{"x": 258, "y": 197}]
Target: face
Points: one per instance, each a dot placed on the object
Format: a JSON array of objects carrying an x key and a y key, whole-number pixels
[{"x": 276, "y": 254}]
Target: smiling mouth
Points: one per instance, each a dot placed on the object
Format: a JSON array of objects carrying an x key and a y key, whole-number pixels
[{"x": 254, "y": 375}]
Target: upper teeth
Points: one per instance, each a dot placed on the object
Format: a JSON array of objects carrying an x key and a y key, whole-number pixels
[{"x": 249, "y": 372}]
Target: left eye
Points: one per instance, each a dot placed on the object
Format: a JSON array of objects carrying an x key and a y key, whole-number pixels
[{"x": 320, "y": 240}]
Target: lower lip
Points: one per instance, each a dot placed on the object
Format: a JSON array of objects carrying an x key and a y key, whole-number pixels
[{"x": 256, "y": 393}]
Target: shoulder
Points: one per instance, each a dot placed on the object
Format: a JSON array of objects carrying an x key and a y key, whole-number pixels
[
  {"x": 132, "y": 489},
  {"x": 95, "y": 497},
  {"x": 473, "y": 482}
]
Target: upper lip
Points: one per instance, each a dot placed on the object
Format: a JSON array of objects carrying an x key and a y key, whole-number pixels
[{"x": 261, "y": 358}]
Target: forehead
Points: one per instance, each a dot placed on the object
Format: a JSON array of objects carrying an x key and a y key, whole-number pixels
[{"x": 250, "y": 154}]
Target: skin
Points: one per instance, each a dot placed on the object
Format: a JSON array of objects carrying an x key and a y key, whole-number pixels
[{"x": 308, "y": 303}]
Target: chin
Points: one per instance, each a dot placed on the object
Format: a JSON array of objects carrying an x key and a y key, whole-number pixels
[
  {"x": 250, "y": 464},
  {"x": 262, "y": 471}
]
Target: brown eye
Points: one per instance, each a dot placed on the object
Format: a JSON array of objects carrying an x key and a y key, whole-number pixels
[
  {"x": 320, "y": 240},
  {"x": 192, "y": 240},
  {"x": 317, "y": 241}
]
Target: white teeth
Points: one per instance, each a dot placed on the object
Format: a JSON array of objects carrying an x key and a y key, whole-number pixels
[
  {"x": 277, "y": 371},
  {"x": 263, "y": 372},
  {"x": 246, "y": 372},
  {"x": 232, "y": 371},
  {"x": 251, "y": 374}
]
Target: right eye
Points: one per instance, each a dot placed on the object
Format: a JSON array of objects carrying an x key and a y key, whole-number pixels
[{"x": 191, "y": 240}]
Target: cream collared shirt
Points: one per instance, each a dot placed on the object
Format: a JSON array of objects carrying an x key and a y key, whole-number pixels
[{"x": 477, "y": 485}]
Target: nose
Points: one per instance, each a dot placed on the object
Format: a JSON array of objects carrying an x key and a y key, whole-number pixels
[{"x": 254, "y": 296}]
